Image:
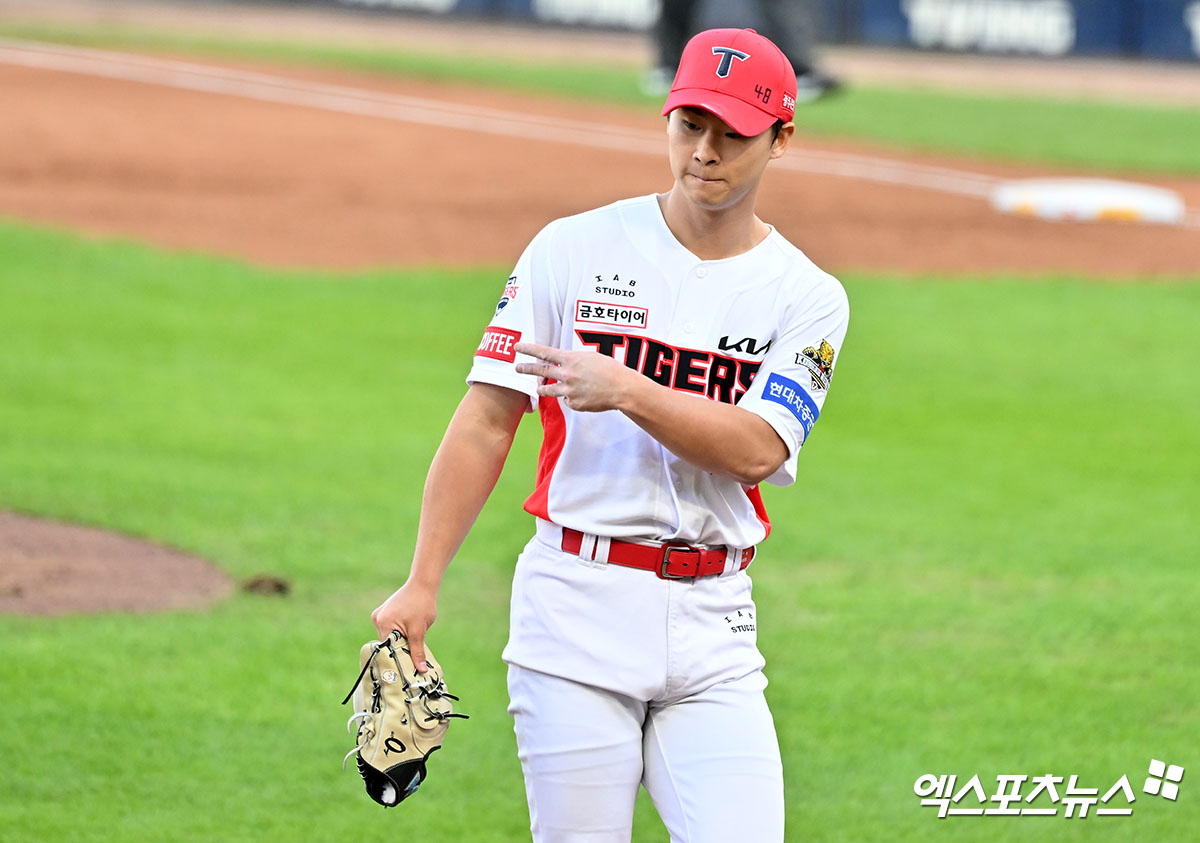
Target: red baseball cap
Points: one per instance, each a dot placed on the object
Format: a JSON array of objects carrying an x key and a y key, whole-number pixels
[{"x": 738, "y": 75}]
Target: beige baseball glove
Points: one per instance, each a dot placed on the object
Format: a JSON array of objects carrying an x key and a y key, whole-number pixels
[{"x": 402, "y": 718}]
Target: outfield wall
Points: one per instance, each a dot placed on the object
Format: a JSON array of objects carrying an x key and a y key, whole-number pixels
[{"x": 1161, "y": 29}]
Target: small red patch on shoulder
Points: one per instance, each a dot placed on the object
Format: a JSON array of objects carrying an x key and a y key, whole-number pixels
[{"x": 498, "y": 343}]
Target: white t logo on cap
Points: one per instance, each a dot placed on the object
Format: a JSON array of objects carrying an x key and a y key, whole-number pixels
[{"x": 728, "y": 54}]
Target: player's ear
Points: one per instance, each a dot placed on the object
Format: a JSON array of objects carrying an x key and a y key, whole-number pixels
[{"x": 780, "y": 144}]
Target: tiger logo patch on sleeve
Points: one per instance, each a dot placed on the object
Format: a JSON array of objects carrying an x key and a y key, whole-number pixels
[{"x": 819, "y": 362}]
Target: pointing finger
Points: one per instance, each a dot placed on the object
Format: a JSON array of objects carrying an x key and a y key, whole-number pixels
[
  {"x": 542, "y": 352},
  {"x": 545, "y": 370}
]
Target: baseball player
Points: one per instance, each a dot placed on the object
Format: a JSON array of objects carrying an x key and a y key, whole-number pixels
[{"x": 678, "y": 350}]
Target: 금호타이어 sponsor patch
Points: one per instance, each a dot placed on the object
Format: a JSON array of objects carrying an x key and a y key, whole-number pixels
[
  {"x": 623, "y": 315},
  {"x": 790, "y": 394}
]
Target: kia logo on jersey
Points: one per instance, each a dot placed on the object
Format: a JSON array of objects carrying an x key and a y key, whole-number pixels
[{"x": 749, "y": 345}]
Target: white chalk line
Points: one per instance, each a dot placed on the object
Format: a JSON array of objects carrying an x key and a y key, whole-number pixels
[
  {"x": 422, "y": 111},
  {"x": 260, "y": 86}
]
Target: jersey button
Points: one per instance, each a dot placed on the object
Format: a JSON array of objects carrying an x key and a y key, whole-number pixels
[
  {"x": 701, "y": 272},
  {"x": 688, "y": 328}
]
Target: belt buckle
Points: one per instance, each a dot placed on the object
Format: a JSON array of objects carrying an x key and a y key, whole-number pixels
[{"x": 663, "y": 574}]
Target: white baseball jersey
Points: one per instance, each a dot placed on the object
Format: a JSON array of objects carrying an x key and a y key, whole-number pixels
[{"x": 761, "y": 330}]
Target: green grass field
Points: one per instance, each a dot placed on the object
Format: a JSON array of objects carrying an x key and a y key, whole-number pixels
[
  {"x": 986, "y": 567},
  {"x": 1088, "y": 136}
]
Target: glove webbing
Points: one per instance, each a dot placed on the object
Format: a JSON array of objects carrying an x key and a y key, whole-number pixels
[{"x": 436, "y": 691}]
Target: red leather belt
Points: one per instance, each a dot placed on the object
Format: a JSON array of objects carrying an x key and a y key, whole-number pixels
[{"x": 670, "y": 561}]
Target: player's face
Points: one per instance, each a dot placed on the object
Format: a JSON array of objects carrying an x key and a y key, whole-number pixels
[{"x": 713, "y": 165}]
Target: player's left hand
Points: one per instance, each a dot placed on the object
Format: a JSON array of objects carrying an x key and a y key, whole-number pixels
[{"x": 584, "y": 380}]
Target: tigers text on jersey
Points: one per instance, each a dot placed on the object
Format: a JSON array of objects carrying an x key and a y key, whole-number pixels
[{"x": 761, "y": 330}]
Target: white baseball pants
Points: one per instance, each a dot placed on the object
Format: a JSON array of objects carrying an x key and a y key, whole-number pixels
[{"x": 710, "y": 761}]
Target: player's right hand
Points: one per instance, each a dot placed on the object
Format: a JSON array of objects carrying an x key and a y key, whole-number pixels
[
  {"x": 412, "y": 610},
  {"x": 584, "y": 380}
]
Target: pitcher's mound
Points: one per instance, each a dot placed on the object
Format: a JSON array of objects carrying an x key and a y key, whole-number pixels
[{"x": 47, "y": 568}]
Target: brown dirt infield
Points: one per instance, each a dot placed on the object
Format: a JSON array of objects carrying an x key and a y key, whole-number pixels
[
  {"x": 47, "y": 568},
  {"x": 297, "y": 186}
]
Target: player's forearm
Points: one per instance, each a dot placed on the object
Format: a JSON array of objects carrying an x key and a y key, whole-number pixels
[
  {"x": 462, "y": 476},
  {"x": 721, "y": 438}
]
